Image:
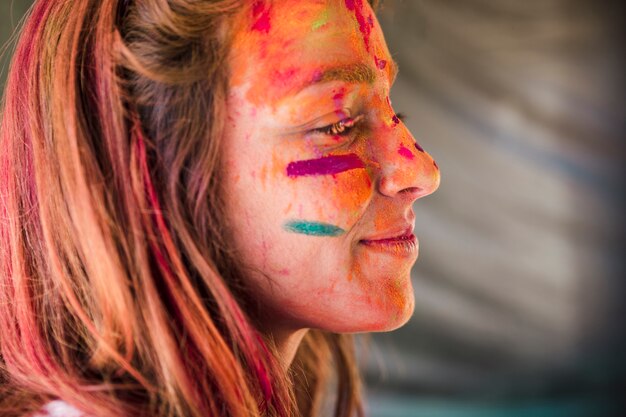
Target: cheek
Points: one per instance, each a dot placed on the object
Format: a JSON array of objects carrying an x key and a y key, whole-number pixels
[
  {"x": 384, "y": 220},
  {"x": 269, "y": 172},
  {"x": 392, "y": 293},
  {"x": 338, "y": 199},
  {"x": 351, "y": 192}
]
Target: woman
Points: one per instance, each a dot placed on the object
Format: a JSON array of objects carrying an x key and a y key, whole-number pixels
[{"x": 201, "y": 200}]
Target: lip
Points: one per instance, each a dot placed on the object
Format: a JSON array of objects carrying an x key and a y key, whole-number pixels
[
  {"x": 399, "y": 243},
  {"x": 398, "y": 234}
]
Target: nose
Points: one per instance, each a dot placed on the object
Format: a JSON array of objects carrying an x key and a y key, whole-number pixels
[{"x": 405, "y": 170}]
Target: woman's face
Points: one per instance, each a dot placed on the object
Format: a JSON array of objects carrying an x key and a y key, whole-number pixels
[{"x": 320, "y": 174}]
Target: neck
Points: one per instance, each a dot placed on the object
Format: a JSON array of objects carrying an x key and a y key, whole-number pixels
[{"x": 286, "y": 343}]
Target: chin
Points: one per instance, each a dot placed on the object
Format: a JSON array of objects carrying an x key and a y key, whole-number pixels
[
  {"x": 383, "y": 315},
  {"x": 394, "y": 317},
  {"x": 393, "y": 306}
]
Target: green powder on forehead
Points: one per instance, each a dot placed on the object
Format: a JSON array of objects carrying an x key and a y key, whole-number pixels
[{"x": 321, "y": 20}]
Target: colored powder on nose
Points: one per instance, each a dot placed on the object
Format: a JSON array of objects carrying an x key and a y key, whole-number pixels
[
  {"x": 406, "y": 152},
  {"x": 313, "y": 228},
  {"x": 261, "y": 16},
  {"x": 418, "y": 147},
  {"x": 394, "y": 118},
  {"x": 380, "y": 63},
  {"x": 327, "y": 165}
]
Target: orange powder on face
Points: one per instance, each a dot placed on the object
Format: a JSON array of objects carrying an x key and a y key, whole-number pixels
[
  {"x": 389, "y": 293},
  {"x": 265, "y": 54},
  {"x": 269, "y": 64},
  {"x": 352, "y": 191},
  {"x": 273, "y": 170},
  {"x": 263, "y": 175},
  {"x": 395, "y": 293},
  {"x": 356, "y": 273},
  {"x": 384, "y": 220}
]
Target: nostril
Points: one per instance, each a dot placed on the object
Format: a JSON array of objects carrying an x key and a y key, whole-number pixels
[{"x": 411, "y": 191}]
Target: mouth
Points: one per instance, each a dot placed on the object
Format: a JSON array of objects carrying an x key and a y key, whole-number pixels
[{"x": 404, "y": 244}]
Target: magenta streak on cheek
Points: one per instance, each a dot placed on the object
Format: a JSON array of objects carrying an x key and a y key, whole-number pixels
[
  {"x": 327, "y": 165},
  {"x": 261, "y": 17},
  {"x": 365, "y": 25},
  {"x": 406, "y": 152}
]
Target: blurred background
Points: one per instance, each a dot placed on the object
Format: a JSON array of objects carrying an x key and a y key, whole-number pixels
[{"x": 519, "y": 285}]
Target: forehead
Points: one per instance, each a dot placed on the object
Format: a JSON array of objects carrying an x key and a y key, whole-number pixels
[{"x": 281, "y": 46}]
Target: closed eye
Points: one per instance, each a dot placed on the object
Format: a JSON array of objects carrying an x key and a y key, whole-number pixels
[{"x": 340, "y": 128}]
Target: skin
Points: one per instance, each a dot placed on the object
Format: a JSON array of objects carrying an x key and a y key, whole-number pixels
[{"x": 280, "y": 92}]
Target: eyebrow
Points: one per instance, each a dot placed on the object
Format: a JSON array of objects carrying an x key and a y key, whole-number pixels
[{"x": 357, "y": 73}]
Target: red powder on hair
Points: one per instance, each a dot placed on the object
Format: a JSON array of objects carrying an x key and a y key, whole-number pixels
[{"x": 261, "y": 17}]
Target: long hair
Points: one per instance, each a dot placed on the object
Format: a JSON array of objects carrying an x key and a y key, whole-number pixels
[{"x": 119, "y": 290}]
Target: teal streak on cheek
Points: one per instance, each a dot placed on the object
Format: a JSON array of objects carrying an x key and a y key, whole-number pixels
[{"x": 313, "y": 228}]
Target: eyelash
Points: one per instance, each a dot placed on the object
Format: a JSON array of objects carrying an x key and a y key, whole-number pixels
[
  {"x": 340, "y": 128},
  {"x": 343, "y": 127}
]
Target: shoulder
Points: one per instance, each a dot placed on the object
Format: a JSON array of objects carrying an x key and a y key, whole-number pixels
[{"x": 58, "y": 408}]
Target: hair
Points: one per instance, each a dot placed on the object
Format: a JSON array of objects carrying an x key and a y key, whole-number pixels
[{"x": 120, "y": 292}]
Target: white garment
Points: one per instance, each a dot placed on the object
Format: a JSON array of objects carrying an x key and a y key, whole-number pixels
[{"x": 58, "y": 408}]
